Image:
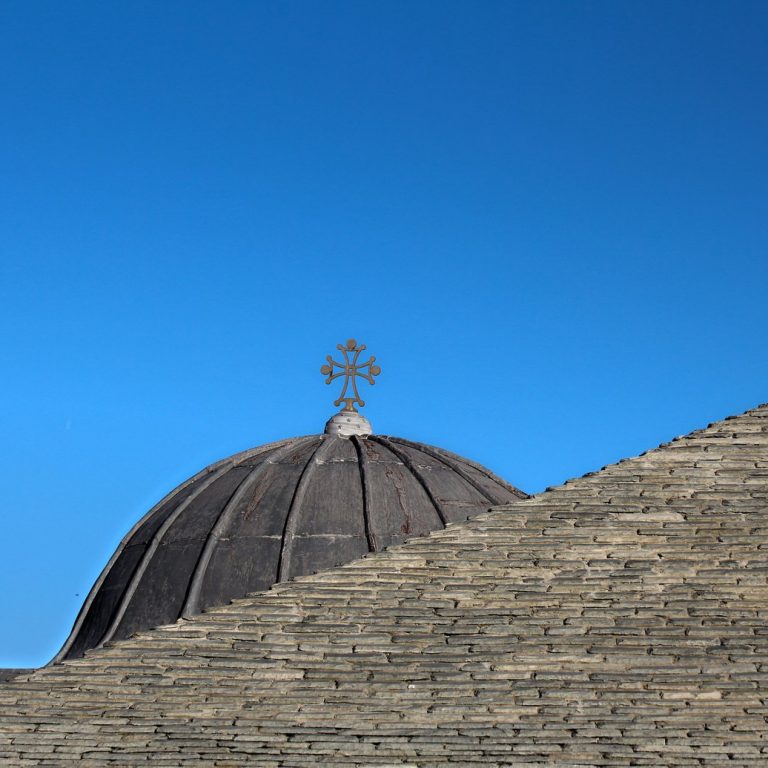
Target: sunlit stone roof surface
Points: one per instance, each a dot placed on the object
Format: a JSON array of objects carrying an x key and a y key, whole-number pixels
[{"x": 618, "y": 620}]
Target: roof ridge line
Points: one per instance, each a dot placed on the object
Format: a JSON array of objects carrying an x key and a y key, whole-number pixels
[{"x": 666, "y": 444}]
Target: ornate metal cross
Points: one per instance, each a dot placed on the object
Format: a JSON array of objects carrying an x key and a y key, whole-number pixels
[{"x": 350, "y": 369}]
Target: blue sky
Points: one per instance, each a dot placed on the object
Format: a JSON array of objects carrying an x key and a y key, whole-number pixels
[{"x": 548, "y": 220}]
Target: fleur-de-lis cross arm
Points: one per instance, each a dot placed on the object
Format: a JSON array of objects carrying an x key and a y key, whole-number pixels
[{"x": 350, "y": 369}]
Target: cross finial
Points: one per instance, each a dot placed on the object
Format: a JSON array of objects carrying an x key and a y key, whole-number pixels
[{"x": 350, "y": 369}]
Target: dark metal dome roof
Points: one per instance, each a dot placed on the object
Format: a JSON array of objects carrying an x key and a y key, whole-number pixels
[{"x": 271, "y": 513}]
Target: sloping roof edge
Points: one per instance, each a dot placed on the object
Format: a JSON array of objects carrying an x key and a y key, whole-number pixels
[{"x": 617, "y": 619}]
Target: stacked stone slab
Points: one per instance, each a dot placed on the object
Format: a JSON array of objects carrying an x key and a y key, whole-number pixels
[{"x": 618, "y": 620}]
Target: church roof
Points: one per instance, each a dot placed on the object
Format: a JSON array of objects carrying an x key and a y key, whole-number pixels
[
  {"x": 617, "y": 620},
  {"x": 272, "y": 513}
]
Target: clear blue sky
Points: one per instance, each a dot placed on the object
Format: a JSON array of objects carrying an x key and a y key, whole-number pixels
[{"x": 548, "y": 220}]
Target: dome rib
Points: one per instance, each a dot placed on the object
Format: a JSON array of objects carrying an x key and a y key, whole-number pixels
[
  {"x": 84, "y": 614},
  {"x": 452, "y": 465},
  {"x": 146, "y": 557},
  {"x": 289, "y": 528},
  {"x": 365, "y": 481},
  {"x": 224, "y": 520},
  {"x": 454, "y": 461},
  {"x": 415, "y": 471}
]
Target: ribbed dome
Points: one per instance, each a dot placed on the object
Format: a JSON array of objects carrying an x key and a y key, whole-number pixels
[{"x": 271, "y": 513}]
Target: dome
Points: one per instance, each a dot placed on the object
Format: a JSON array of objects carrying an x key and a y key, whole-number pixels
[{"x": 271, "y": 513}]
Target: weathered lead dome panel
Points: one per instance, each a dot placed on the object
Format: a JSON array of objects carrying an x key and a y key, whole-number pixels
[{"x": 266, "y": 515}]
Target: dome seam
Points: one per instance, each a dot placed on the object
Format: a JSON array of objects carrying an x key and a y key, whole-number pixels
[
  {"x": 191, "y": 605},
  {"x": 409, "y": 464},
  {"x": 289, "y": 526},
  {"x": 434, "y": 453},
  {"x": 149, "y": 552},
  {"x": 370, "y": 537}
]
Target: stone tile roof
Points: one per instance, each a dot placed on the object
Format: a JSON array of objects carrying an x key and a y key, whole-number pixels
[
  {"x": 618, "y": 620},
  {"x": 9, "y": 673}
]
